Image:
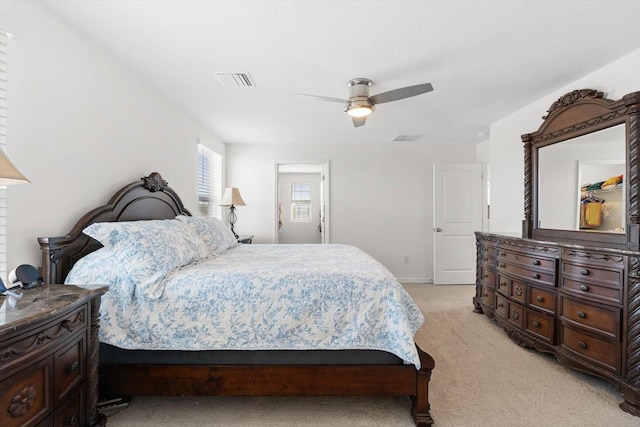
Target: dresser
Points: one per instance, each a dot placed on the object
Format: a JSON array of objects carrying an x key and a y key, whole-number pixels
[
  {"x": 49, "y": 357},
  {"x": 579, "y": 302}
]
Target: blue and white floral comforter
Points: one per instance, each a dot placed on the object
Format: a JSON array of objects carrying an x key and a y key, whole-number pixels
[{"x": 264, "y": 297}]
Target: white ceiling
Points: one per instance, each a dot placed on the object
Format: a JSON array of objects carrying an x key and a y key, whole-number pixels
[{"x": 485, "y": 59}]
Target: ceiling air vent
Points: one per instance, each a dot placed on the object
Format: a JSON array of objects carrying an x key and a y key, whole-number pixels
[
  {"x": 407, "y": 137},
  {"x": 235, "y": 79}
]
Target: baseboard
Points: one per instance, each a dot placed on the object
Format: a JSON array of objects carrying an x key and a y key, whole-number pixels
[{"x": 414, "y": 280}]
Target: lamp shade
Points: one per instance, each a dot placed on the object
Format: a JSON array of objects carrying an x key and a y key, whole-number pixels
[
  {"x": 9, "y": 175},
  {"x": 232, "y": 196}
]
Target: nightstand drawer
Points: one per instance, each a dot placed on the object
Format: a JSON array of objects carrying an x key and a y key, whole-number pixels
[
  {"x": 70, "y": 367},
  {"x": 25, "y": 397},
  {"x": 26, "y": 345},
  {"x": 72, "y": 412}
]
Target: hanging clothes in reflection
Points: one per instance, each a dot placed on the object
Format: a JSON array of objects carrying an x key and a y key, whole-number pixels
[{"x": 591, "y": 212}]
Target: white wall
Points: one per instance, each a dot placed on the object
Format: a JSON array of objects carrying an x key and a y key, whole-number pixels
[
  {"x": 80, "y": 126},
  {"x": 380, "y": 195},
  {"x": 507, "y": 153}
]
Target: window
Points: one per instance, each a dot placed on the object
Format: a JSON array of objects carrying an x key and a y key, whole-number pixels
[
  {"x": 300, "y": 202},
  {"x": 209, "y": 182},
  {"x": 3, "y": 145}
]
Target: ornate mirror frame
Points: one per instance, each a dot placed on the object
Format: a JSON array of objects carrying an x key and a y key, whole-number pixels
[{"x": 575, "y": 114}]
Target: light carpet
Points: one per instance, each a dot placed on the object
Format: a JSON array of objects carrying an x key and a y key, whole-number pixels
[{"x": 481, "y": 378}]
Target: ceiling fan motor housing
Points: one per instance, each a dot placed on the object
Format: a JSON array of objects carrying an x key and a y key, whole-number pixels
[{"x": 359, "y": 104}]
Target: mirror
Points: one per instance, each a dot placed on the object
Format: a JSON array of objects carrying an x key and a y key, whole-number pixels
[
  {"x": 585, "y": 142},
  {"x": 572, "y": 194}
]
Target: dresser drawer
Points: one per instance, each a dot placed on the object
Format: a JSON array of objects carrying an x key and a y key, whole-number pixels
[
  {"x": 543, "y": 299},
  {"x": 503, "y": 284},
  {"x": 528, "y": 261},
  {"x": 606, "y": 277},
  {"x": 72, "y": 412},
  {"x": 530, "y": 275},
  {"x": 605, "y": 321},
  {"x": 540, "y": 325},
  {"x": 501, "y": 306},
  {"x": 488, "y": 276},
  {"x": 592, "y": 290},
  {"x": 515, "y": 314},
  {"x": 517, "y": 291},
  {"x": 488, "y": 296},
  {"x": 70, "y": 367},
  {"x": 596, "y": 350},
  {"x": 25, "y": 397}
]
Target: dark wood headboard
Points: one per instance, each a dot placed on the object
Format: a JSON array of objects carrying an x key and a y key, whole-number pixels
[{"x": 148, "y": 198}]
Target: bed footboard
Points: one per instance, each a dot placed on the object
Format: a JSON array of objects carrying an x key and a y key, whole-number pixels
[{"x": 274, "y": 380}]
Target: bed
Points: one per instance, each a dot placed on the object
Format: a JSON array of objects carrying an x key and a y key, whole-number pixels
[{"x": 338, "y": 338}]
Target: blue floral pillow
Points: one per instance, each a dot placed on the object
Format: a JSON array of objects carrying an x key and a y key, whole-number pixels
[
  {"x": 149, "y": 250},
  {"x": 216, "y": 236}
]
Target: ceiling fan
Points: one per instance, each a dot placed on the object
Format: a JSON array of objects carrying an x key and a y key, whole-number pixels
[{"x": 360, "y": 104}]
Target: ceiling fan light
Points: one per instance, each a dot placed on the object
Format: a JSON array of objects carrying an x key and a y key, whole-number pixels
[{"x": 359, "y": 108}]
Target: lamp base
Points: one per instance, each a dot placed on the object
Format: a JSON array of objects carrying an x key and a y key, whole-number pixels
[{"x": 232, "y": 218}]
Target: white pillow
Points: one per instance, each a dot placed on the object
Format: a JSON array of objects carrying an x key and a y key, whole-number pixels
[
  {"x": 149, "y": 250},
  {"x": 216, "y": 235}
]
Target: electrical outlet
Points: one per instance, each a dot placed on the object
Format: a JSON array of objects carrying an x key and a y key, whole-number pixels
[{"x": 405, "y": 259}]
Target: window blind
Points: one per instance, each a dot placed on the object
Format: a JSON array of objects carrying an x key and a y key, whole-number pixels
[
  {"x": 3, "y": 146},
  {"x": 209, "y": 182}
]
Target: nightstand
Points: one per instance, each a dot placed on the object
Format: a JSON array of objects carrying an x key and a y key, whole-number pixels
[
  {"x": 49, "y": 357},
  {"x": 245, "y": 239}
]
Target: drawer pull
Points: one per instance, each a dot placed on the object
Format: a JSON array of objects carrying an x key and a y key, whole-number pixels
[
  {"x": 501, "y": 266},
  {"x": 584, "y": 288},
  {"x": 486, "y": 295},
  {"x": 584, "y": 272},
  {"x": 536, "y": 324},
  {"x": 503, "y": 285},
  {"x": 536, "y": 262},
  {"x": 535, "y": 275},
  {"x": 582, "y": 315},
  {"x": 582, "y": 345},
  {"x": 517, "y": 257},
  {"x": 539, "y": 298},
  {"x": 500, "y": 305},
  {"x": 74, "y": 366},
  {"x": 73, "y": 421},
  {"x": 486, "y": 276}
]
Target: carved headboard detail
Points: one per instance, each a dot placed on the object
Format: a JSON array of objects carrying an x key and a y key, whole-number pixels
[{"x": 148, "y": 198}]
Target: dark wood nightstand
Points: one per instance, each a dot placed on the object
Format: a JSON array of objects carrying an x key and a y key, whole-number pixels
[
  {"x": 245, "y": 238},
  {"x": 49, "y": 357}
]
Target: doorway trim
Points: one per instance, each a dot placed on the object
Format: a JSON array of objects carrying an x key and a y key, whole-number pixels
[{"x": 324, "y": 190}]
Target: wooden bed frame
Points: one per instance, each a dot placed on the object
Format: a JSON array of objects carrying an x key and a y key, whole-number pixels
[{"x": 152, "y": 198}]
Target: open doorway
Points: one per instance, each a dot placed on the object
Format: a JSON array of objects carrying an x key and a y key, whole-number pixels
[{"x": 301, "y": 203}]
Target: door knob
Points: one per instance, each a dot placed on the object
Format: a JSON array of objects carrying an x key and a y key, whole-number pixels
[{"x": 438, "y": 230}]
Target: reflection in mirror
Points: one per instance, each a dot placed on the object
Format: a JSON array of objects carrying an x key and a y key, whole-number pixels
[{"x": 564, "y": 169}]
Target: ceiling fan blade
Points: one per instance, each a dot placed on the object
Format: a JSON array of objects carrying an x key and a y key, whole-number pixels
[
  {"x": 404, "y": 92},
  {"x": 322, "y": 98},
  {"x": 359, "y": 121}
]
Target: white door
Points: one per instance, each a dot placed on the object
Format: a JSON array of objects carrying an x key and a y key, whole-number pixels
[{"x": 457, "y": 214}]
